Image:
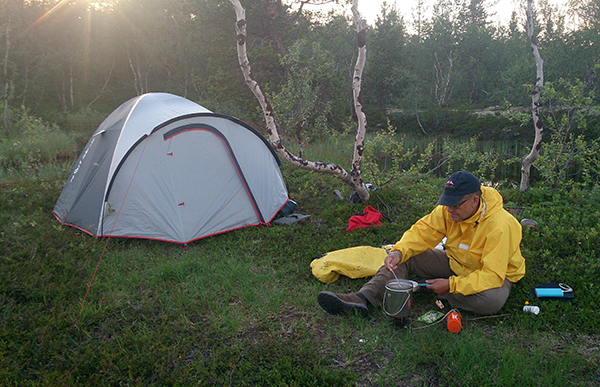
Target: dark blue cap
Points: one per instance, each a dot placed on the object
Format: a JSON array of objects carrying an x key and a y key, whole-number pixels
[{"x": 457, "y": 186}]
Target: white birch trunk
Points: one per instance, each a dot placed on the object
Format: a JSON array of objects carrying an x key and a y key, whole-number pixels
[
  {"x": 535, "y": 105},
  {"x": 359, "y": 141},
  {"x": 442, "y": 83},
  {"x": 265, "y": 104}
]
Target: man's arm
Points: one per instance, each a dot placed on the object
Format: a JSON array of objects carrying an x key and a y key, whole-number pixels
[
  {"x": 424, "y": 235},
  {"x": 392, "y": 260}
]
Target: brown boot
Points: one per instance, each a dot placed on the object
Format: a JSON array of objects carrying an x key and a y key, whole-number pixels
[{"x": 342, "y": 304}]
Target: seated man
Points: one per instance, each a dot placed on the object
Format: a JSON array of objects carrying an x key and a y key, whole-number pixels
[{"x": 475, "y": 272}]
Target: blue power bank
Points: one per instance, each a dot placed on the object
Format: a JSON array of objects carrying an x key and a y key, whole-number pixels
[{"x": 549, "y": 292}]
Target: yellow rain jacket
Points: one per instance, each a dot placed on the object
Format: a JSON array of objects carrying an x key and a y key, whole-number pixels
[{"x": 483, "y": 250}]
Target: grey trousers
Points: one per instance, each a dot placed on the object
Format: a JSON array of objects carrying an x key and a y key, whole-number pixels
[{"x": 434, "y": 264}]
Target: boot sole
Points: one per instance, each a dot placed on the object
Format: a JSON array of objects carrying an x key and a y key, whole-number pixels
[{"x": 333, "y": 305}]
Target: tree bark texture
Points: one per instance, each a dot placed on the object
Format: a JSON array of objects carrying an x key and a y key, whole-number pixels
[
  {"x": 535, "y": 105},
  {"x": 265, "y": 104},
  {"x": 359, "y": 141}
]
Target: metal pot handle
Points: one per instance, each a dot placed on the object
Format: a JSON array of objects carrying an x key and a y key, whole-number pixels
[{"x": 399, "y": 309}]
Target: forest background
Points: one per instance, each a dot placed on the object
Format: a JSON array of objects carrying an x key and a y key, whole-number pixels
[
  {"x": 239, "y": 308},
  {"x": 73, "y": 59}
]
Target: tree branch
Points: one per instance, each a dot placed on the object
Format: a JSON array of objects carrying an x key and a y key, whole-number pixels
[{"x": 265, "y": 104}]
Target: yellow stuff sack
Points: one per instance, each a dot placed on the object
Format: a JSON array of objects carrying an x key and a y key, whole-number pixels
[{"x": 353, "y": 262}]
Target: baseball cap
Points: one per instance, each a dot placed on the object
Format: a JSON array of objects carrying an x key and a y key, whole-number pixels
[{"x": 457, "y": 186}]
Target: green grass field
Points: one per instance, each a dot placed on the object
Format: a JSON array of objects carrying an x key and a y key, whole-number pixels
[{"x": 239, "y": 309}]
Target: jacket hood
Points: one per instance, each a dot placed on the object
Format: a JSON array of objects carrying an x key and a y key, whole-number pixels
[{"x": 491, "y": 202}]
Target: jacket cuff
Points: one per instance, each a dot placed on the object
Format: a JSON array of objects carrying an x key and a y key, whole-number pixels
[{"x": 452, "y": 283}]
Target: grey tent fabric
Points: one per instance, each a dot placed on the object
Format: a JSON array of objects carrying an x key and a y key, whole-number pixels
[{"x": 162, "y": 167}]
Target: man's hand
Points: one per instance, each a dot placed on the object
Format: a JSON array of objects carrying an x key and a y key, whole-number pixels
[
  {"x": 392, "y": 260},
  {"x": 439, "y": 285}
]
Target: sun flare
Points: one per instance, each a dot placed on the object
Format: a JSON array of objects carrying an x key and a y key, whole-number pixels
[{"x": 51, "y": 11}]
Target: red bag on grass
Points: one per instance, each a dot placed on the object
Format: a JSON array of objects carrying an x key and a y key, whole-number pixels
[{"x": 370, "y": 217}]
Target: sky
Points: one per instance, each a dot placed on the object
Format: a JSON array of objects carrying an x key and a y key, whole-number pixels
[{"x": 371, "y": 8}]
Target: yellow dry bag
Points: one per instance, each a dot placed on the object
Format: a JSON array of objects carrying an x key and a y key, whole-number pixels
[{"x": 353, "y": 262}]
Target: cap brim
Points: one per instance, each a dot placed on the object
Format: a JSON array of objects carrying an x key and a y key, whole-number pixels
[{"x": 449, "y": 201}]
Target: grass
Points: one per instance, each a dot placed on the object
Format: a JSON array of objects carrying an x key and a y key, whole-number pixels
[{"x": 239, "y": 309}]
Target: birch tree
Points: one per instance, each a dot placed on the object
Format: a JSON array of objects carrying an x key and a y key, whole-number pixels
[
  {"x": 442, "y": 41},
  {"x": 354, "y": 176},
  {"x": 535, "y": 104}
]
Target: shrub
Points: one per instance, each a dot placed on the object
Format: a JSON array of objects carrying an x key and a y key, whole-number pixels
[{"x": 35, "y": 142}]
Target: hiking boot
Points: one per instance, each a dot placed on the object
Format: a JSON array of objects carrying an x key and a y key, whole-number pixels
[{"x": 342, "y": 304}]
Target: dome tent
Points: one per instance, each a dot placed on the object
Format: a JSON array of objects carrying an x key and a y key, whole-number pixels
[{"x": 165, "y": 168}]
